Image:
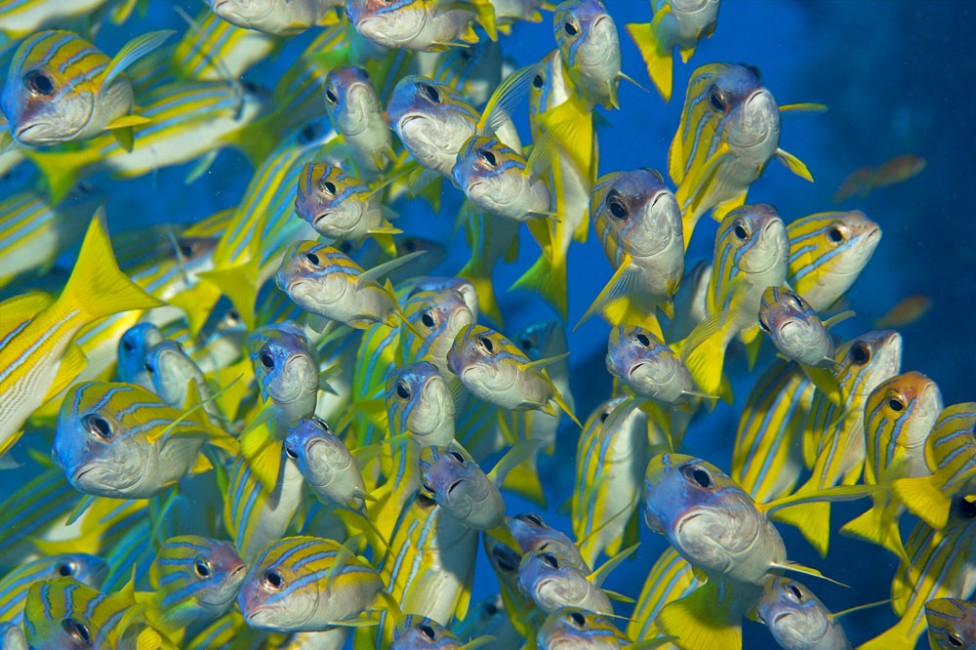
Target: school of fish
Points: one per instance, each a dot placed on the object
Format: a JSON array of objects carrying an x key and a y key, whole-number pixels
[{"x": 288, "y": 425}]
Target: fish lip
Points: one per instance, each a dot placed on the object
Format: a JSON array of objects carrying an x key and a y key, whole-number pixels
[
  {"x": 779, "y": 617},
  {"x": 685, "y": 521}
]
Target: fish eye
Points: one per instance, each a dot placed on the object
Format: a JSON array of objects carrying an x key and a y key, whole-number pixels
[
  {"x": 740, "y": 232},
  {"x": 604, "y": 416},
  {"x": 329, "y": 187},
  {"x": 99, "y": 426},
  {"x": 313, "y": 259},
  {"x": 39, "y": 83},
  {"x": 526, "y": 344},
  {"x": 202, "y": 568},
  {"x": 486, "y": 344},
  {"x": 700, "y": 476},
  {"x": 425, "y": 501},
  {"x": 577, "y": 619},
  {"x": 505, "y": 558},
  {"x": 860, "y": 353},
  {"x": 127, "y": 345},
  {"x": 549, "y": 560},
  {"x": 67, "y": 569},
  {"x": 427, "y": 319},
  {"x": 273, "y": 581},
  {"x": 330, "y": 96},
  {"x": 345, "y": 247},
  {"x": 616, "y": 207},
  {"x": 431, "y": 93},
  {"x": 532, "y": 519},
  {"x": 322, "y": 424},
  {"x": 538, "y": 81},
  {"x": 466, "y": 55},
  {"x": 267, "y": 360},
  {"x": 570, "y": 29},
  {"x": 291, "y": 453},
  {"x": 717, "y": 99},
  {"x": 488, "y": 158},
  {"x": 409, "y": 245},
  {"x": 456, "y": 456},
  {"x": 427, "y": 631},
  {"x": 837, "y": 233},
  {"x": 402, "y": 390},
  {"x": 795, "y": 591},
  {"x": 643, "y": 340},
  {"x": 308, "y": 133},
  {"x": 796, "y": 302},
  {"x": 491, "y": 609},
  {"x": 954, "y": 639},
  {"x": 233, "y": 316},
  {"x": 149, "y": 368},
  {"x": 896, "y": 403},
  {"x": 77, "y": 630},
  {"x": 187, "y": 249},
  {"x": 427, "y": 488},
  {"x": 85, "y": 188}
]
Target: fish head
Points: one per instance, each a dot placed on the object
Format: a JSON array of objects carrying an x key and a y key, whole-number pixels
[
  {"x": 391, "y": 24},
  {"x": 51, "y": 89},
  {"x": 548, "y": 88},
  {"x": 273, "y": 595},
  {"x": 460, "y": 286},
  {"x": 504, "y": 560},
  {"x": 793, "y": 614},
  {"x": 951, "y": 623},
  {"x": 841, "y": 244},
  {"x": 316, "y": 276},
  {"x": 170, "y": 369},
  {"x": 489, "y": 173},
  {"x": 453, "y": 479},
  {"x": 331, "y": 200},
  {"x": 587, "y": 38},
  {"x": 904, "y": 407},
  {"x": 419, "y": 401},
  {"x": 708, "y": 518},
  {"x": 533, "y": 533},
  {"x": 572, "y": 628},
  {"x": 432, "y": 120},
  {"x": 350, "y": 99},
  {"x": 641, "y": 214},
  {"x": 751, "y": 246},
  {"x": 244, "y": 12},
  {"x": 134, "y": 345},
  {"x": 63, "y": 614},
  {"x": 793, "y": 325},
  {"x": 543, "y": 340},
  {"x": 482, "y": 357},
  {"x": 695, "y": 18},
  {"x": 208, "y": 571},
  {"x": 646, "y": 364},
  {"x": 284, "y": 363},
  {"x": 422, "y": 633},
  {"x": 312, "y": 446},
  {"x": 749, "y": 120},
  {"x": 866, "y": 361},
  {"x": 93, "y": 442},
  {"x": 439, "y": 316},
  {"x": 551, "y": 581}
]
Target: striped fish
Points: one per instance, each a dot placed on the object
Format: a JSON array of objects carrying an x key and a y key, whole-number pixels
[
  {"x": 30, "y": 512},
  {"x": 86, "y": 569},
  {"x": 33, "y": 232},
  {"x": 422, "y": 25},
  {"x": 356, "y": 113},
  {"x": 579, "y": 628},
  {"x": 589, "y": 44},
  {"x": 287, "y": 371},
  {"x": 473, "y": 71},
  {"x": 275, "y": 17},
  {"x": 611, "y": 457},
  {"x": 36, "y": 332},
  {"x": 952, "y": 623},
  {"x": 379, "y": 349},
  {"x": 834, "y": 439},
  {"x": 130, "y": 556},
  {"x": 670, "y": 579},
  {"x": 306, "y": 584},
  {"x": 898, "y": 416},
  {"x": 325, "y": 463},
  {"x": 729, "y": 131},
  {"x": 490, "y": 240},
  {"x": 798, "y": 619},
  {"x": 23, "y": 17},
  {"x": 950, "y": 453},
  {"x": 553, "y": 584},
  {"x": 420, "y": 403},
  {"x": 649, "y": 368},
  {"x": 340, "y": 206},
  {"x": 488, "y": 618},
  {"x": 177, "y": 379},
  {"x": 226, "y": 632},
  {"x": 828, "y": 251},
  {"x": 437, "y": 317},
  {"x": 134, "y": 345},
  {"x": 213, "y": 49},
  {"x": 941, "y": 565},
  {"x": 422, "y": 633},
  {"x": 522, "y": 613},
  {"x": 533, "y": 533},
  {"x": 61, "y": 88}
]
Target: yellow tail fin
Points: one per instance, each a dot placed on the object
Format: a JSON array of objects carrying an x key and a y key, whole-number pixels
[
  {"x": 902, "y": 635},
  {"x": 879, "y": 526},
  {"x": 704, "y": 352},
  {"x": 813, "y": 522},
  {"x": 924, "y": 499},
  {"x": 547, "y": 279},
  {"x": 660, "y": 66},
  {"x": 483, "y": 286},
  {"x": 700, "y": 622}
]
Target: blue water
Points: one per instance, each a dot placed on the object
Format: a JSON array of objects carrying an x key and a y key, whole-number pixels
[{"x": 897, "y": 78}]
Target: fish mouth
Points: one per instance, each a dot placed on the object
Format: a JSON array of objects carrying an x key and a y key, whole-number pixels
[{"x": 780, "y": 617}]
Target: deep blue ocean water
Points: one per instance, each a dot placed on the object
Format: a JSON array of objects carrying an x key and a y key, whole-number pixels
[{"x": 897, "y": 77}]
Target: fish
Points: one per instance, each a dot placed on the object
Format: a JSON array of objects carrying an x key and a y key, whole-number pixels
[
  {"x": 437, "y": 315},
  {"x": 325, "y": 463},
  {"x": 908, "y": 310},
  {"x": 671, "y": 578},
  {"x": 37, "y": 331},
  {"x": 490, "y": 240},
  {"x": 951, "y": 623},
  {"x": 422, "y": 633},
  {"x": 533, "y": 534},
  {"x": 497, "y": 179},
  {"x": 572, "y": 627},
  {"x": 828, "y": 251},
  {"x": 522, "y": 614},
  {"x": 950, "y": 454},
  {"x": 178, "y": 380},
  {"x": 134, "y": 346},
  {"x": 553, "y": 584},
  {"x": 305, "y": 583},
  {"x": 214, "y": 49},
  {"x": 898, "y": 416},
  {"x": 422, "y": 25},
  {"x": 286, "y": 367},
  {"x": 194, "y": 579},
  {"x": 678, "y": 24},
  {"x": 797, "y": 619},
  {"x": 61, "y": 88},
  {"x": 729, "y": 131},
  {"x": 87, "y": 569},
  {"x": 278, "y": 17},
  {"x": 864, "y": 180},
  {"x": 356, "y": 113},
  {"x": 474, "y": 71},
  {"x": 649, "y": 368},
  {"x": 25, "y": 18},
  {"x": 121, "y": 441},
  {"x": 419, "y": 402},
  {"x": 493, "y": 369},
  {"x": 638, "y": 221},
  {"x": 488, "y": 618},
  {"x": 834, "y": 444},
  {"x": 587, "y": 38},
  {"x": 751, "y": 254}
]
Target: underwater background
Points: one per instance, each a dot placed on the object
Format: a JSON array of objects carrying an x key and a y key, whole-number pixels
[{"x": 897, "y": 78}]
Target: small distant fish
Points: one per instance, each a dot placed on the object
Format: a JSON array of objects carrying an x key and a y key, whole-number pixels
[
  {"x": 677, "y": 24},
  {"x": 474, "y": 71},
  {"x": 908, "y": 310},
  {"x": 279, "y": 17},
  {"x": 422, "y": 633},
  {"x": 62, "y": 88},
  {"x": 424, "y": 25},
  {"x": 797, "y": 619},
  {"x": 952, "y": 623},
  {"x": 864, "y": 180}
]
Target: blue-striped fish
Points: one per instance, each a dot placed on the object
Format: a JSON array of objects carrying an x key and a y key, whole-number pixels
[
  {"x": 32, "y": 511},
  {"x": 36, "y": 333},
  {"x": 941, "y": 565},
  {"x": 488, "y": 618},
  {"x": 419, "y": 402},
  {"x": 437, "y": 283},
  {"x": 898, "y": 416},
  {"x": 340, "y": 206},
  {"x": 533, "y": 533},
  {"x": 86, "y": 569},
  {"x": 952, "y": 623},
  {"x": 328, "y": 467},
  {"x": 33, "y": 232},
  {"x": 278, "y": 17},
  {"x": 639, "y": 225},
  {"x": 62, "y": 88},
  {"x": 828, "y": 251},
  {"x": 356, "y": 113},
  {"x": 648, "y": 367},
  {"x": 437, "y": 315},
  {"x": 588, "y": 41},
  {"x": 423, "y": 25},
  {"x": 134, "y": 345},
  {"x": 834, "y": 440},
  {"x": 950, "y": 453},
  {"x": 676, "y": 24},
  {"x": 797, "y": 619},
  {"x": 121, "y": 441},
  {"x": 580, "y": 629},
  {"x": 213, "y": 49},
  {"x": 729, "y": 131},
  {"x": 287, "y": 371},
  {"x": 671, "y": 578},
  {"x": 490, "y": 240},
  {"x": 520, "y": 611},
  {"x": 24, "y": 17},
  {"x": 422, "y": 633},
  {"x": 554, "y": 584}
]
